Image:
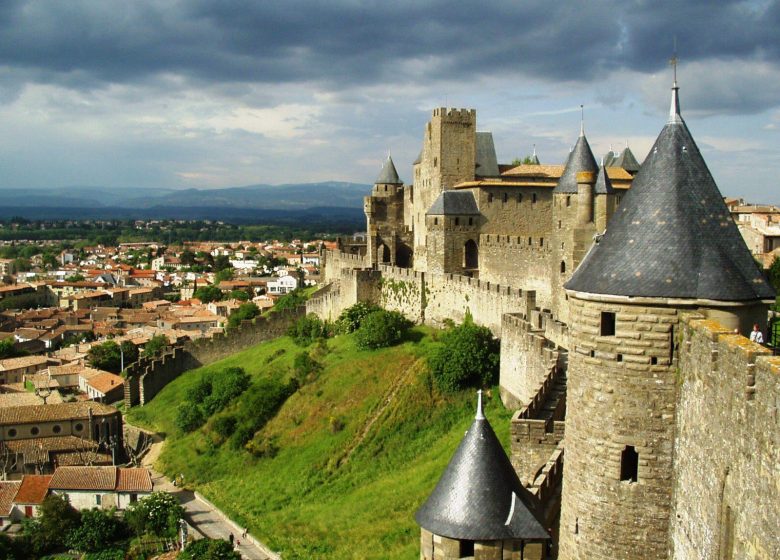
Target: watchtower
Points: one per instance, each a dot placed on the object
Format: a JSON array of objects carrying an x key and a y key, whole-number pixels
[
  {"x": 672, "y": 247},
  {"x": 452, "y": 244},
  {"x": 479, "y": 509},
  {"x": 387, "y": 240},
  {"x": 448, "y": 157}
]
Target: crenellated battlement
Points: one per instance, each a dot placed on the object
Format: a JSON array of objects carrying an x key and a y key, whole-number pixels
[{"x": 455, "y": 115}]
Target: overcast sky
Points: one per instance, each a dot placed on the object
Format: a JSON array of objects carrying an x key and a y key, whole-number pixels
[{"x": 220, "y": 93}]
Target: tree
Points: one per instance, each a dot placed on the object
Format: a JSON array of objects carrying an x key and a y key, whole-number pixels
[
  {"x": 290, "y": 300},
  {"x": 240, "y": 295},
  {"x": 97, "y": 530},
  {"x": 207, "y": 294},
  {"x": 155, "y": 346},
  {"x": 469, "y": 355},
  {"x": 56, "y": 517},
  {"x": 527, "y": 160},
  {"x": 130, "y": 352},
  {"x": 157, "y": 514},
  {"x": 75, "y": 278},
  {"x": 381, "y": 328},
  {"x": 222, "y": 262},
  {"x": 189, "y": 417},
  {"x": 106, "y": 356},
  {"x": 350, "y": 319},
  {"x": 774, "y": 273},
  {"x": 8, "y": 349},
  {"x": 245, "y": 312},
  {"x": 209, "y": 549},
  {"x": 187, "y": 258},
  {"x": 223, "y": 275},
  {"x": 307, "y": 329},
  {"x": 13, "y": 549}
]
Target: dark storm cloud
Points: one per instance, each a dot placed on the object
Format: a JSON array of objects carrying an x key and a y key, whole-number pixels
[{"x": 86, "y": 44}]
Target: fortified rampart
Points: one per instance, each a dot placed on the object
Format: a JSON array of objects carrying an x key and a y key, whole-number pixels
[
  {"x": 727, "y": 450},
  {"x": 146, "y": 377}
]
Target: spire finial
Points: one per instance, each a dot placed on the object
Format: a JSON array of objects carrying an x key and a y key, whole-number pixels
[
  {"x": 480, "y": 415},
  {"x": 534, "y": 150},
  {"x": 602, "y": 161},
  {"x": 674, "y": 109},
  {"x": 582, "y": 120}
]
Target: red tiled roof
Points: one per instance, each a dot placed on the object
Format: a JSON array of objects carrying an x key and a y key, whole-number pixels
[
  {"x": 105, "y": 382},
  {"x": 53, "y": 412},
  {"x": 134, "y": 480},
  {"x": 7, "y": 492},
  {"x": 33, "y": 489},
  {"x": 83, "y": 478}
]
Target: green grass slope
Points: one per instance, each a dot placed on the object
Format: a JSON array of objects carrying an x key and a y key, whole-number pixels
[{"x": 360, "y": 449}]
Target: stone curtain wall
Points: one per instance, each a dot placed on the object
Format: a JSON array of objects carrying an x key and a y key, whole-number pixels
[
  {"x": 403, "y": 290},
  {"x": 727, "y": 453},
  {"x": 145, "y": 378},
  {"x": 336, "y": 261},
  {"x": 516, "y": 262}
]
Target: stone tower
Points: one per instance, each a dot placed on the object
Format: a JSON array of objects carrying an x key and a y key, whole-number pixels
[
  {"x": 671, "y": 247},
  {"x": 387, "y": 237},
  {"x": 452, "y": 244},
  {"x": 448, "y": 158},
  {"x": 573, "y": 220},
  {"x": 479, "y": 509}
]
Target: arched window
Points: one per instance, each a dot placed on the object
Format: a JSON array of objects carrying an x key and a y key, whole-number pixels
[
  {"x": 563, "y": 267},
  {"x": 470, "y": 255}
]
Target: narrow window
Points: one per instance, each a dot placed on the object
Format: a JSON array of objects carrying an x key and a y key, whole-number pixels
[
  {"x": 529, "y": 240},
  {"x": 436, "y": 221},
  {"x": 563, "y": 267},
  {"x": 559, "y": 224},
  {"x": 490, "y": 197},
  {"x": 97, "y": 499},
  {"x": 629, "y": 464},
  {"x": 541, "y": 242},
  {"x": 620, "y": 357},
  {"x": 506, "y": 197},
  {"x": 519, "y": 198},
  {"x": 653, "y": 361},
  {"x": 385, "y": 188},
  {"x": 435, "y": 162},
  {"x": 533, "y": 198},
  {"x": 457, "y": 221},
  {"x": 466, "y": 549},
  {"x": 607, "y": 323},
  {"x": 568, "y": 201}
]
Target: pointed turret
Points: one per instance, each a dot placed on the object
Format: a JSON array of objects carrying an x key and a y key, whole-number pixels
[
  {"x": 534, "y": 159},
  {"x": 580, "y": 159},
  {"x": 626, "y": 160},
  {"x": 603, "y": 183},
  {"x": 479, "y": 497},
  {"x": 388, "y": 175},
  {"x": 609, "y": 157},
  {"x": 672, "y": 236}
]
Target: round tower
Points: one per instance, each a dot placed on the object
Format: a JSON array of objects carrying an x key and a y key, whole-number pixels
[
  {"x": 479, "y": 509},
  {"x": 573, "y": 225},
  {"x": 672, "y": 247}
]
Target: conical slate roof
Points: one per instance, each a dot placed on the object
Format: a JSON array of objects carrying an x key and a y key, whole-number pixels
[
  {"x": 626, "y": 160},
  {"x": 580, "y": 159},
  {"x": 609, "y": 158},
  {"x": 486, "y": 164},
  {"x": 603, "y": 182},
  {"x": 479, "y": 496},
  {"x": 672, "y": 236},
  {"x": 388, "y": 175}
]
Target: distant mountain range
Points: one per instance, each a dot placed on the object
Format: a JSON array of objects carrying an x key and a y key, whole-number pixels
[{"x": 273, "y": 197}]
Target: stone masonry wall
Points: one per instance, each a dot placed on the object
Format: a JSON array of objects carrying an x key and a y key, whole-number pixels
[
  {"x": 527, "y": 358},
  {"x": 146, "y": 378},
  {"x": 518, "y": 262},
  {"x": 727, "y": 453},
  {"x": 621, "y": 392}
]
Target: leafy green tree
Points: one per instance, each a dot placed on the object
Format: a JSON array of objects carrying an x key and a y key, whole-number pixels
[
  {"x": 291, "y": 300},
  {"x": 350, "y": 319},
  {"x": 381, "y": 328},
  {"x": 774, "y": 273},
  {"x": 305, "y": 367},
  {"x": 156, "y": 345},
  {"x": 7, "y": 348},
  {"x": 75, "y": 278},
  {"x": 56, "y": 517},
  {"x": 130, "y": 352},
  {"x": 222, "y": 262},
  {"x": 224, "y": 426},
  {"x": 223, "y": 275},
  {"x": 105, "y": 356},
  {"x": 14, "y": 549},
  {"x": 307, "y": 329},
  {"x": 189, "y": 417},
  {"x": 245, "y": 312},
  {"x": 226, "y": 386},
  {"x": 207, "y": 294},
  {"x": 240, "y": 295},
  {"x": 209, "y": 549},
  {"x": 468, "y": 356},
  {"x": 98, "y": 529},
  {"x": 187, "y": 257},
  {"x": 157, "y": 514}
]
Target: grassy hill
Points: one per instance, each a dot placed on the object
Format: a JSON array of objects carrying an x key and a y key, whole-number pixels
[{"x": 359, "y": 448}]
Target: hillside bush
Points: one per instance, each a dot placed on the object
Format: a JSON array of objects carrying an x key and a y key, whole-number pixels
[
  {"x": 468, "y": 356},
  {"x": 258, "y": 407},
  {"x": 209, "y": 549},
  {"x": 305, "y": 368},
  {"x": 189, "y": 417},
  {"x": 245, "y": 312},
  {"x": 381, "y": 328},
  {"x": 307, "y": 329},
  {"x": 350, "y": 319},
  {"x": 224, "y": 426},
  {"x": 226, "y": 386},
  {"x": 157, "y": 514},
  {"x": 98, "y": 529}
]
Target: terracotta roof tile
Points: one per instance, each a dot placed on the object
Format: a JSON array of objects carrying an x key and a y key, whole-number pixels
[
  {"x": 7, "y": 492},
  {"x": 84, "y": 478},
  {"x": 134, "y": 480},
  {"x": 105, "y": 382},
  {"x": 53, "y": 412},
  {"x": 33, "y": 489}
]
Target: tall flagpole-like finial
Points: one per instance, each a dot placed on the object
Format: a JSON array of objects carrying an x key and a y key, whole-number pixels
[
  {"x": 480, "y": 415},
  {"x": 582, "y": 120},
  {"x": 534, "y": 150},
  {"x": 674, "y": 109}
]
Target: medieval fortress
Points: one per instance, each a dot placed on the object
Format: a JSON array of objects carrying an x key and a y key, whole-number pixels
[{"x": 647, "y": 426}]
